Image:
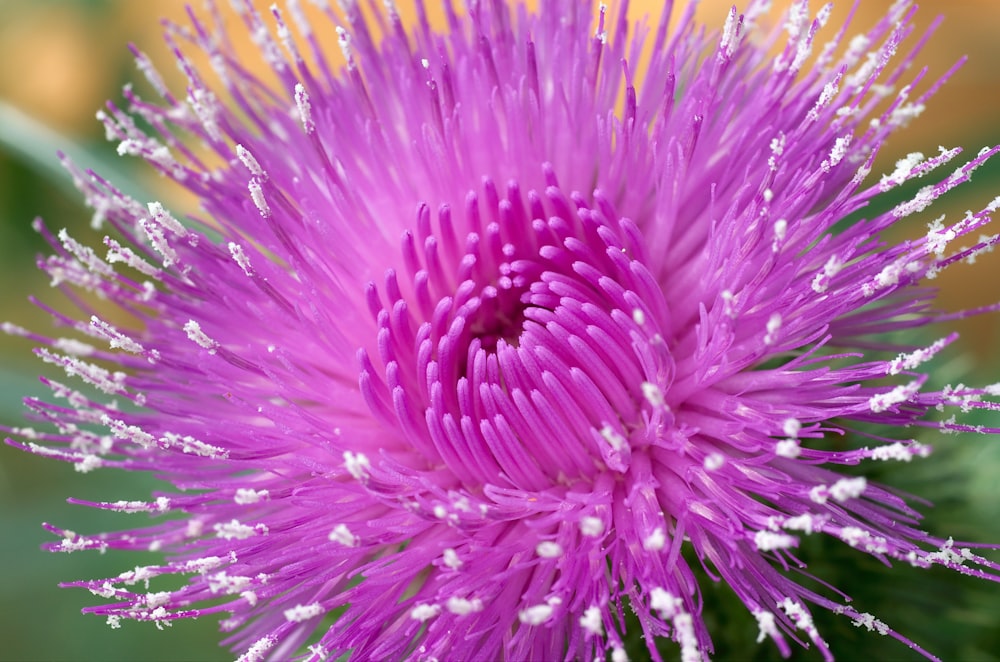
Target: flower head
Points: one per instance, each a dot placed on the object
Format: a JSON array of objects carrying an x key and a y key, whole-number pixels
[{"x": 476, "y": 333}]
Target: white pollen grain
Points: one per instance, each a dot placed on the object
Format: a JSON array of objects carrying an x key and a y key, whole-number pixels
[
  {"x": 548, "y": 549},
  {"x": 304, "y": 107},
  {"x": 653, "y": 394},
  {"x": 614, "y": 439},
  {"x": 665, "y": 602},
  {"x": 300, "y": 613},
  {"x": 259, "y": 649},
  {"x": 462, "y": 606},
  {"x": 450, "y": 558},
  {"x": 592, "y": 527},
  {"x": 848, "y": 488},
  {"x": 714, "y": 461},
  {"x": 538, "y": 614},
  {"x": 424, "y": 612},
  {"x": 655, "y": 541},
  {"x": 257, "y": 195},
  {"x": 765, "y": 625},
  {"x": 342, "y": 535},
  {"x": 240, "y": 257},
  {"x": 357, "y": 465},
  {"x": 772, "y": 327},
  {"x": 245, "y": 496},
  {"x": 194, "y": 333},
  {"x": 789, "y": 448},
  {"x": 250, "y": 162},
  {"x": 592, "y": 621},
  {"x": 768, "y": 541}
]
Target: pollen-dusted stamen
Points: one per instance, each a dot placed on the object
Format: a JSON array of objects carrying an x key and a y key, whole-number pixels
[
  {"x": 241, "y": 258},
  {"x": 238, "y": 530},
  {"x": 250, "y": 162},
  {"x": 304, "y": 107},
  {"x": 193, "y": 330}
]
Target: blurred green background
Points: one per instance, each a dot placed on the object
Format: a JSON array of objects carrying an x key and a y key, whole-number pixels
[{"x": 60, "y": 59}]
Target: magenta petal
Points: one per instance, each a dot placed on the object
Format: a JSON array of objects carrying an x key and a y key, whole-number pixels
[{"x": 481, "y": 330}]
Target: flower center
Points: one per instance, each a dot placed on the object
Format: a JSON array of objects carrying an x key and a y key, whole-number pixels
[
  {"x": 500, "y": 317},
  {"x": 545, "y": 300}
]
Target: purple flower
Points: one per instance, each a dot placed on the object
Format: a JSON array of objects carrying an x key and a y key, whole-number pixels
[{"x": 473, "y": 336}]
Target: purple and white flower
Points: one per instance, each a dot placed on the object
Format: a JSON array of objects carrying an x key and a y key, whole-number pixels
[{"x": 475, "y": 333}]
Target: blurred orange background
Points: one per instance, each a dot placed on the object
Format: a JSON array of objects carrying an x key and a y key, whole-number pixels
[{"x": 59, "y": 61}]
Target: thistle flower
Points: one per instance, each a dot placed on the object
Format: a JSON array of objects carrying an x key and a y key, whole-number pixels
[{"x": 477, "y": 342}]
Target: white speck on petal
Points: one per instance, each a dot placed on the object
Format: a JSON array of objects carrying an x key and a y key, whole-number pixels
[
  {"x": 767, "y": 541},
  {"x": 665, "y": 602},
  {"x": 655, "y": 541},
  {"x": 300, "y": 613},
  {"x": 905, "y": 362},
  {"x": 194, "y": 333},
  {"x": 871, "y": 623},
  {"x": 765, "y": 623},
  {"x": 789, "y": 448},
  {"x": 246, "y": 496},
  {"x": 357, "y": 464},
  {"x": 591, "y": 527},
  {"x": 773, "y": 326},
  {"x": 714, "y": 461},
  {"x": 235, "y": 530},
  {"x": 592, "y": 621},
  {"x": 848, "y": 488},
  {"x": 240, "y": 257},
  {"x": 548, "y": 549},
  {"x": 257, "y": 195},
  {"x": 615, "y": 440},
  {"x": 305, "y": 108},
  {"x": 902, "y": 393},
  {"x": 423, "y": 612},
  {"x": 256, "y": 652},
  {"x": 462, "y": 606},
  {"x": 804, "y": 522},
  {"x": 538, "y": 614},
  {"x": 341, "y": 534},
  {"x": 450, "y": 559},
  {"x": 653, "y": 394},
  {"x": 249, "y": 161}
]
